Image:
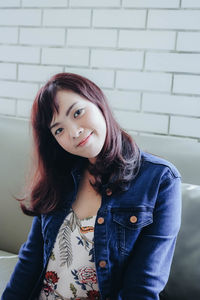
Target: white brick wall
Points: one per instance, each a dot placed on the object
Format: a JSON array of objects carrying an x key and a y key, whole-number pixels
[
  {"x": 23, "y": 108},
  {"x": 8, "y": 71},
  {"x": 42, "y": 36},
  {"x": 173, "y": 62},
  {"x": 119, "y": 18},
  {"x": 147, "y": 39},
  {"x": 191, "y": 126},
  {"x": 95, "y": 3},
  {"x": 169, "y": 104},
  {"x": 174, "y": 19},
  {"x": 44, "y": 3},
  {"x": 123, "y": 100},
  {"x": 144, "y": 122},
  {"x": 23, "y": 17},
  {"x": 188, "y": 41},
  {"x": 92, "y": 37},
  {"x": 117, "y": 59},
  {"x": 186, "y": 84},
  {"x": 103, "y": 78},
  {"x": 146, "y": 81},
  {"x": 10, "y": 3},
  {"x": 19, "y": 54},
  {"x": 18, "y": 90},
  {"x": 37, "y": 73},
  {"x": 67, "y": 17},
  {"x": 7, "y": 106},
  {"x": 151, "y": 3},
  {"x": 65, "y": 56},
  {"x": 190, "y": 4},
  {"x": 8, "y": 35},
  {"x": 144, "y": 54}
]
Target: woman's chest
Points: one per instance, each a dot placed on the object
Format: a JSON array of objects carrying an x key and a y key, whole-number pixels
[{"x": 87, "y": 201}]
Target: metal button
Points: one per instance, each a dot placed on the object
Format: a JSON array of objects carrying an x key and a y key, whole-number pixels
[
  {"x": 102, "y": 263},
  {"x": 133, "y": 219},
  {"x": 100, "y": 220},
  {"x": 108, "y": 191}
]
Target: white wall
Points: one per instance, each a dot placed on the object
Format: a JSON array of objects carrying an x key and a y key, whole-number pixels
[{"x": 144, "y": 54}]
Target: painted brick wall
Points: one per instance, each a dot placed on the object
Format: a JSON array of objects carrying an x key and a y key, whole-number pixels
[{"x": 144, "y": 54}]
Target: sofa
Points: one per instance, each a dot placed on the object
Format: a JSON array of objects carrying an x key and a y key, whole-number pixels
[{"x": 184, "y": 279}]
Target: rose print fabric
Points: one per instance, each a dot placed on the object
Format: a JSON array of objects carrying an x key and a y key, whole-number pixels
[{"x": 71, "y": 273}]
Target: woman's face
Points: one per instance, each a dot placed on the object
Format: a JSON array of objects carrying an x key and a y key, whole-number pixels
[{"x": 76, "y": 120}]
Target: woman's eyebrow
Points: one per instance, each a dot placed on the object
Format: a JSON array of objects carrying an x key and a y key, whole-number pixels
[{"x": 67, "y": 113}]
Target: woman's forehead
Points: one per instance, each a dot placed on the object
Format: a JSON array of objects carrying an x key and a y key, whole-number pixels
[
  {"x": 67, "y": 98},
  {"x": 66, "y": 94},
  {"x": 64, "y": 101}
]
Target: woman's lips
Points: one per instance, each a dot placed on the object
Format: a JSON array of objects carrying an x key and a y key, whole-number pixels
[{"x": 85, "y": 140}]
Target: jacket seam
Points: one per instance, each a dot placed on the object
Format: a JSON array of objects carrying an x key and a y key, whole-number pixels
[
  {"x": 169, "y": 175},
  {"x": 164, "y": 165}
]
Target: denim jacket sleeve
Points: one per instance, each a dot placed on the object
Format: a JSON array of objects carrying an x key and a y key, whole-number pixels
[
  {"x": 149, "y": 266},
  {"x": 28, "y": 267}
]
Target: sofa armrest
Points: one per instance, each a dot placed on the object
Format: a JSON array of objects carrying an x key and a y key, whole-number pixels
[
  {"x": 184, "y": 277},
  {"x": 7, "y": 263}
]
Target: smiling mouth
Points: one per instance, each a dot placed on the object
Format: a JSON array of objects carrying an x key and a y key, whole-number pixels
[{"x": 85, "y": 140}]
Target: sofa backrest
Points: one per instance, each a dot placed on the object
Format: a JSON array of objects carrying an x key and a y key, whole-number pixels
[
  {"x": 14, "y": 153},
  {"x": 184, "y": 154}
]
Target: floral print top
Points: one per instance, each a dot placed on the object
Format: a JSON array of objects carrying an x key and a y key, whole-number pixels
[{"x": 71, "y": 273}]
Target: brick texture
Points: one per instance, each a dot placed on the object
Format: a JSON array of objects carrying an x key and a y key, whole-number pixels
[{"x": 144, "y": 54}]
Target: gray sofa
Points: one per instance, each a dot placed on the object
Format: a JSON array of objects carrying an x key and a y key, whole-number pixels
[{"x": 184, "y": 280}]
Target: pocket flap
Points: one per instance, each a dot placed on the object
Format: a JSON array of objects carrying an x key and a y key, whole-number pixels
[{"x": 133, "y": 217}]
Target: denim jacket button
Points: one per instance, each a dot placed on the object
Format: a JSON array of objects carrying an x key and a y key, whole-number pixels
[
  {"x": 102, "y": 263},
  {"x": 133, "y": 219},
  {"x": 108, "y": 191},
  {"x": 100, "y": 220}
]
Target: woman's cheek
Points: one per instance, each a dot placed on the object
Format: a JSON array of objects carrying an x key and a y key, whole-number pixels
[{"x": 62, "y": 142}]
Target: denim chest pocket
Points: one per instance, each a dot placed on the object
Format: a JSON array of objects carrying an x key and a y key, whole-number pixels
[{"x": 128, "y": 223}]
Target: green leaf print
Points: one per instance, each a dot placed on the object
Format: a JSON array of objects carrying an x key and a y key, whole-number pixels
[
  {"x": 65, "y": 246},
  {"x": 52, "y": 257},
  {"x": 73, "y": 289}
]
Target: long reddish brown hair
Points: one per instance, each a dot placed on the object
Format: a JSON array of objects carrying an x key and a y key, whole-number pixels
[{"x": 117, "y": 163}]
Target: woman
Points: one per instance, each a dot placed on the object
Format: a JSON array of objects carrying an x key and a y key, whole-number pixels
[{"x": 106, "y": 214}]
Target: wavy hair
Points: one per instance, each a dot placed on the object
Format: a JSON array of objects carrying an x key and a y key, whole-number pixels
[{"x": 116, "y": 165}]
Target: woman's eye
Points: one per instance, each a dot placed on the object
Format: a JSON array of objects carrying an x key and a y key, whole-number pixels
[
  {"x": 78, "y": 112},
  {"x": 59, "y": 130}
]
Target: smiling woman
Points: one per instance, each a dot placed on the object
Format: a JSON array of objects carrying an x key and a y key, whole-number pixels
[{"x": 106, "y": 214}]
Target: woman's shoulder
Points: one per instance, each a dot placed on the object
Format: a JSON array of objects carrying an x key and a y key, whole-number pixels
[{"x": 152, "y": 163}]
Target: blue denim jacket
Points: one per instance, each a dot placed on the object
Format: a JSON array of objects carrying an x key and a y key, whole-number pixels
[{"x": 133, "y": 247}]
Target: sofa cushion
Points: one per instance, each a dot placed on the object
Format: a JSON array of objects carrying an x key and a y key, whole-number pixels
[
  {"x": 7, "y": 263},
  {"x": 184, "y": 280}
]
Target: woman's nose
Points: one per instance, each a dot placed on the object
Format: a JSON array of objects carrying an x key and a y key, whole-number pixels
[{"x": 77, "y": 132}]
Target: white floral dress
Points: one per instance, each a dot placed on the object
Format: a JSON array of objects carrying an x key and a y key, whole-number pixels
[{"x": 71, "y": 272}]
